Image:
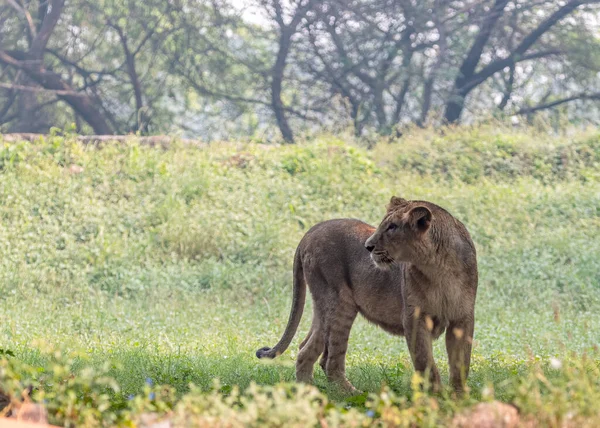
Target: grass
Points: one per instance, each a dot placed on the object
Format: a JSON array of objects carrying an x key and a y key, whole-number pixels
[{"x": 171, "y": 267}]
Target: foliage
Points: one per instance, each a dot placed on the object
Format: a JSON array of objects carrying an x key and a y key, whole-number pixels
[
  {"x": 549, "y": 394},
  {"x": 471, "y": 154},
  {"x": 142, "y": 267},
  {"x": 221, "y": 68}
]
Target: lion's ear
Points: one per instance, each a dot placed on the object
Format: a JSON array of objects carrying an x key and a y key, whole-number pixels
[
  {"x": 396, "y": 202},
  {"x": 420, "y": 218}
]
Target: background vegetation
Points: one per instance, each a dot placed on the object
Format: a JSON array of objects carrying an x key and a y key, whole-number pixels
[
  {"x": 133, "y": 277},
  {"x": 127, "y": 267},
  {"x": 218, "y": 69}
]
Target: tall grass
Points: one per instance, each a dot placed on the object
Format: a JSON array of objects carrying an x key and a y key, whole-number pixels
[{"x": 175, "y": 265}]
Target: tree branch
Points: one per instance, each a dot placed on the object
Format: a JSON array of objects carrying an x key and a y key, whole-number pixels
[
  {"x": 509, "y": 61},
  {"x": 485, "y": 30},
  {"x": 37, "y": 89},
  {"x": 29, "y": 111},
  {"x": 53, "y": 81},
  {"x": 545, "y": 106},
  {"x": 30, "y": 24},
  {"x": 38, "y": 44},
  {"x": 517, "y": 55}
]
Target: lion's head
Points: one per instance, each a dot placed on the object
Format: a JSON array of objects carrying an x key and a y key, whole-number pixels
[{"x": 402, "y": 234}]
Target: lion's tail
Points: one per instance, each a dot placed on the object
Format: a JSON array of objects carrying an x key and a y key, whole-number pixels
[{"x": 295, "y": 315}]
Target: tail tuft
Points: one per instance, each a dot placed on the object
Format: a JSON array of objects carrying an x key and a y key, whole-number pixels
[{"x": 266, "y": 352}]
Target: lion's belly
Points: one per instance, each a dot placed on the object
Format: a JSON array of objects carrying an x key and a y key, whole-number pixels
[
  {"x": 391, "y": 325},
  {"x": 381, "y": 303}
]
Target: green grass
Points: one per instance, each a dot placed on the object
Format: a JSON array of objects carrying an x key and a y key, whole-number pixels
[{"x": 175, "y": 266}]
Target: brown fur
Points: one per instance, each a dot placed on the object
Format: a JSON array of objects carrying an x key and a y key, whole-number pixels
[{"x": 419, "y": 281}]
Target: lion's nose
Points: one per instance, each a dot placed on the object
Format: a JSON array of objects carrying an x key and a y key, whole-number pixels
[{"x": 370, "y": 248}]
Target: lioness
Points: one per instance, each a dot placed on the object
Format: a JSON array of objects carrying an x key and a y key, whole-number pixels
[{"x": 415, "y": 275}]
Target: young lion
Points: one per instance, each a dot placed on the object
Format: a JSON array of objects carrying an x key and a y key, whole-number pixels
[{"x": 415, "y": 275}]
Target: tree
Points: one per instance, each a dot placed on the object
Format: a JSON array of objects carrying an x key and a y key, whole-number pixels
[
  {"x": 364, "y": 50},
  {"x": 31, "y": 63},
  {"x": 229, "y": 61},
  {"x": 286, "y": 31},
  {"x": 468, "y": 77},
  {"x": 115, "y": 54},
  {"x": 205, "y": 69}
]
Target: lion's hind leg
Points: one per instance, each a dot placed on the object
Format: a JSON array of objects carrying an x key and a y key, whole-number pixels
[
  {"x": 310, "y": 349},
  {"x": 338, "y": 333},
  {"x": 323, "y": 361}
]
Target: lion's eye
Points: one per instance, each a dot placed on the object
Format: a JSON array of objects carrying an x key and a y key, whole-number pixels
[{"x": 392, "y": 226}]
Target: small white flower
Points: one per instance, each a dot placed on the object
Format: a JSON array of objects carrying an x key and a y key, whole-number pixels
[{"x": 555, "y": 363}]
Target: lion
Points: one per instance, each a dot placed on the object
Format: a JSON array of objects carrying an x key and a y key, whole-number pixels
[{"x": 415, "y": 275}]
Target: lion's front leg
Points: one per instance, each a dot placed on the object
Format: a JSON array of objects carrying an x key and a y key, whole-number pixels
[
  {"x": 459, "y": 339},
  {"x": 417, "y": 330}
]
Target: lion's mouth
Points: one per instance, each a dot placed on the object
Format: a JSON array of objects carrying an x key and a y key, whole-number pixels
[{"x": 382, "y": 259}]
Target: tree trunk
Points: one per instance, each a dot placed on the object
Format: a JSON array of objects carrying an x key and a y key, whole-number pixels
[
  {"x": 12, "y": 96},
  {"x": 467, "y": 79},
  {"x": 140, "y": 122},
  {"x": 28, "y": 114},
  {"x": 455, "y": 105},
  {"x": 400, "y": 99},
  {"x": 456, "y": 102},
  {"x": 26, "y": 109},
  {"x": 354, "y": 114},
  {"x": 382, "y": 121},
  {"x": 426, "y": 106},
  {"x": 81, "y": 103},
  {"x": 31, "y": 63},
  {"x": 429, "y": 83},
  {"x": 276, "y": 84},
  {"x": 508, "y": 88}
]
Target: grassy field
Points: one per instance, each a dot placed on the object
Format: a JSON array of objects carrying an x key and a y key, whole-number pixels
[{"x": 134, "y": 267}]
